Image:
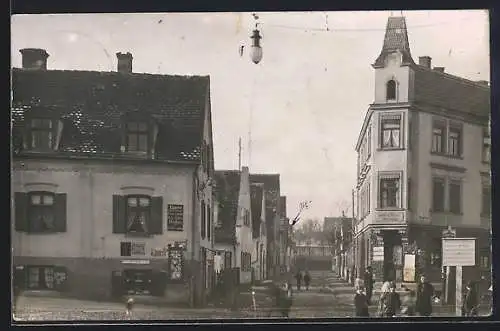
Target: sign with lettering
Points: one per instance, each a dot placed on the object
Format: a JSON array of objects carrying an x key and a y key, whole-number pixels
[
  {"x": 409, "y": 268},
  {"x": 175, "y": 220},
  {"x": 390, "y": 216},
  {"x": 159, "y": 252},
  {"x": 135, "y": 261},
  {"x": 459, "y": 252},
  {"x": 378, "y": 253}
]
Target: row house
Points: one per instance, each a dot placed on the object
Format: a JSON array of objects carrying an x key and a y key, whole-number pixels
[
  {"x": 234, "y": 231},
  {"x": 271, "y": 188},
  {"x": 423, "y": 164},
  {"x": 111, "y": 181}
]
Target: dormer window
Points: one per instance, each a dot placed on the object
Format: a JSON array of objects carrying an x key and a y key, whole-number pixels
[
  {"x": 41, "y": 133},
  {"x": 137, "y": 137},
  {"x": 391, "y": 90}
]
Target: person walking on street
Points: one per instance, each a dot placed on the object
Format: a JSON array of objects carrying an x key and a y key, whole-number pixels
[
  {"x": 298, "y": 277},
  {"x": 470, "y": 303},
  {"x": 307, "y": 280},
  {"x": 368, "y": 280},
  {"x": 390, "y": 302},
  {"x": 361, "y": 303},
  {"x": 425, "y": 292}
]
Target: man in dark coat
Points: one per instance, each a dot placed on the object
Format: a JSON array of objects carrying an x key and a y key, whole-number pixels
[
  {"x": 361, "y": 303},
  {"x": 298, "y": 277},
  {"x": 425, "y": 292},
  {"x": 368, "y": 281},
  {"x": 470, "y": 302},
  {"x": 391, "y": 302}
]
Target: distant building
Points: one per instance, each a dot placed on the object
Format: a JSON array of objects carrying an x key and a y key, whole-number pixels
[
  {"x": 423, "y": 164},
  {"x": 111, "y": 181},
  {"x": 259, "y": 231}
]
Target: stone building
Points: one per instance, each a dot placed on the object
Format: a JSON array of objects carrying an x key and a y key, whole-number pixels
[{"x": 423, "y": 164}]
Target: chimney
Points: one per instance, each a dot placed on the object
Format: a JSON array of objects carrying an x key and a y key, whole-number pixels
[
  {"x": 425, "y": 61},
  {"x": 124, "y": 62},
  {"x": 34, "y": 58},
  {"x": 440, "y": 69}
]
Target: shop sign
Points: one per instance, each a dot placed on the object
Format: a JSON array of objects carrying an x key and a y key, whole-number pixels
[
  {"x": 390, "y": 217},
  {"x": 159, "y": 252},
  {"x": 135, "y": 262},
  {"x": 459, "y": 252},
  {"x": 409, "y": 268}
]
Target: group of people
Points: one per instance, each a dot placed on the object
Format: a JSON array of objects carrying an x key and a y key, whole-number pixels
[
  {"x": 414, "y": 303},
  {"x": 306, "y": 277}
]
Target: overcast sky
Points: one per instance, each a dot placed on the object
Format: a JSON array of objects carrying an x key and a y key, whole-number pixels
[{"x": 302, "y": 107}]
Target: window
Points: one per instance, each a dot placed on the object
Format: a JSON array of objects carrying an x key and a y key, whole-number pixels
[
  {"x": 203, "y": 220},
  {"x": 132, "y": 249},
  {"x": 391, "y": 132},
  {"x": 369, "y": 141},
  {"x": 41, "y": 278},
  {"x": 138, "y": 214},
  {"x": 486, "y": 146},
  {"x": 137, "y": 137},
  {"x": 438, "y": 194},
  {"x": 438, "y": 137},
  {"x": 246, "y": 262},
  {"x": 455, "y": 197},
  {"x": 42, "y": 133},
  {"x": 389, "y": 191},
  {"x": 454, "y": 141},
  {"x": 41, "y": 212},
  {"x": 246, "y": 217},
  {"x": 391, "y": 89},
  {"x": 409, "y": 194},
  {"x": 485, "y": 261},
  {"x": 486, "y": 201}
]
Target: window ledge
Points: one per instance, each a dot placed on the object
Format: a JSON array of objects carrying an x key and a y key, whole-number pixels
[
  {"x": 390, "y": 209},
  {"x": 136, "y": 154},
  {"x": 449, "y": 213},
  {"x": 138, "y": 235},
  {"x": 450, "y": 156},
  {"x": 386, "y": 149},
  {"x": 42, "y": 232}
]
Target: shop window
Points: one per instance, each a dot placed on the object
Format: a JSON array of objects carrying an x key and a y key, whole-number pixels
[{"x": 46, "y": 277}]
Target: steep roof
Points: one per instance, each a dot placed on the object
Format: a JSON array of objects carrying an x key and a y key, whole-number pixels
[
  {"x": 442, "y": 90},
  {"x": 256, "y": 195},
  {"x": 227, "y": 192},
  {"x": 92, "y": 104},
  {"x": 272, "y": 195},
  {"x": 395, "y": 39}
]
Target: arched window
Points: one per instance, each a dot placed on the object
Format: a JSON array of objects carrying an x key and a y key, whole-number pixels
[{"x": 391, "y": 90}]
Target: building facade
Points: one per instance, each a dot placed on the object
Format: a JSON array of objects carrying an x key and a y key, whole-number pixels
[
  {"x": 111, "y": 182},
  {"x": 423, "y": 165},
  {"x": 259, "y": 230}
]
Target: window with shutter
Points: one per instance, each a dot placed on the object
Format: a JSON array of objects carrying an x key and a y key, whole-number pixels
[
  {"x": 46, "y": 212},
  {"x": 21, "y": 216}
]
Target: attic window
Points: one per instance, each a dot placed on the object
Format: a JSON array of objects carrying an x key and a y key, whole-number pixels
[
  {"x": 391, "y": 89},
  {"x": 137, "y": 137}
]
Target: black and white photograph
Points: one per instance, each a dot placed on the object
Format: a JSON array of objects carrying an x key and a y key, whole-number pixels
[{"x": 251, "y": 165}]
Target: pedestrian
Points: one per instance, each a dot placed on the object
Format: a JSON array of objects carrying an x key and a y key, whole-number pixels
[
  {"x": 470, "y": 303},
  {"x": 409, "y": 303},
  {"x": 361, "y": 303},
  {"x": 307, "y": 280},
  {"x": 425, "y": 293},
  {"x": 298, "y": 277},
  {"x": 391, "y": 302},
  {"x": 383, "y": 291},
  {"x": 129, "y": 305},
  {"x": 368, "y": 279},
  {"x": 286, "y": 300}
]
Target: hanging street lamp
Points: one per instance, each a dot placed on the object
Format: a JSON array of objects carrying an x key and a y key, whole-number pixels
[{"x": 256, "y": 49}]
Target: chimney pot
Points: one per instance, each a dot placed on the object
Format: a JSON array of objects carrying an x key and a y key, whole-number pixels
[
  {"x": 124, "y": 62},
  {"x": 425, "y": 61},
  {"x": 440, "y": 69},
  {"x": 34, "y": 58}
]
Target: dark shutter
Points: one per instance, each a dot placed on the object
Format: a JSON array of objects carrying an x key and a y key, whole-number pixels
[
  {"x": 19, "y": 280},
  {"x": 60, "y": 212},
  {"x": 209, "y": 223},
  {"x": 117, "y": 284},
  {"x": 158, "y": 283},
  {"x": 21, "y": 206},
  {"x": 156, "y": 224},
  {"x": 203, "y": 220},
  {"x": 119, "y": 217}
]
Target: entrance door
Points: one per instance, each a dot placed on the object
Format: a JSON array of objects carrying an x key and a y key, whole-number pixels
[{"x": 138, "y": 281}]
